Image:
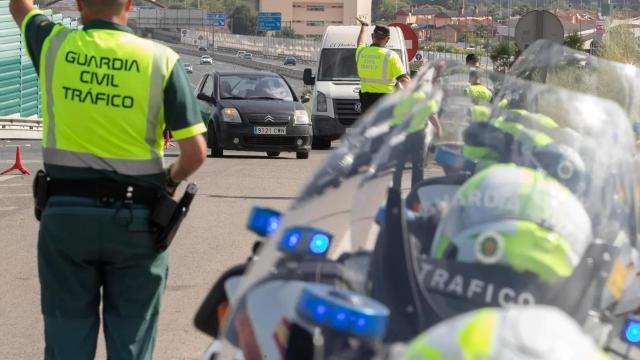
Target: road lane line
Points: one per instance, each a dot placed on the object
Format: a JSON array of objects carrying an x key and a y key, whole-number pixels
[
  {"x": 9, "y": 208},
  {"x": 14, "y": 185},
  {"x": 8, "y": 177}
]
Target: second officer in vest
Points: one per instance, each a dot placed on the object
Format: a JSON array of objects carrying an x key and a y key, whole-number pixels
[
  {"x": 107, "y": 97},
  {"x": 379, "y": 68}
]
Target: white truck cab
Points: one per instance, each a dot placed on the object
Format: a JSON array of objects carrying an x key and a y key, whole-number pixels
[{"x": 336, "y": 101}]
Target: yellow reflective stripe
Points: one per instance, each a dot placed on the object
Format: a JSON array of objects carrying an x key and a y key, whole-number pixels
[
  {"x": 476, "y": 338},
  {"x": 50, "y": 62},
  {"x": 156, "y": 101},
  {"x": 420, "y": 350},
  {"x": 85, "y": 160},
  {"x": 23, "y": 26},
  {"x": 191, "y": 131}
]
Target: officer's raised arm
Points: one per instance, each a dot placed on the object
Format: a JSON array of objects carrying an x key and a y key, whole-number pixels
[
  {"x": 19, "y": 9},
  {"x": 363, "y": 30}
]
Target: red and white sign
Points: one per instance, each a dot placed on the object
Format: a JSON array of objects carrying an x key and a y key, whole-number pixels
[
  {"x": 601, "y": 27},
  {"x": 411, "y": 39}
]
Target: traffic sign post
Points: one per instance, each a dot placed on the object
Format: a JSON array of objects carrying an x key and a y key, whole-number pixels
[
  {"x": 269, "y": 21},
  {"x": 215, "y": 20},
  {"x": 411, "y": 39}
]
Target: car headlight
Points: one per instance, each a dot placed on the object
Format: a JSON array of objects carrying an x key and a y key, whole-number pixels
[
  {"x": 231, "y": 115},
  {"x": 321, "y": 102},
  {"x": 301, "y": 118}
]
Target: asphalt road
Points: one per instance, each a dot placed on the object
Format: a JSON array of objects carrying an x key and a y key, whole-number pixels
[{"x": 212, "y": 238}]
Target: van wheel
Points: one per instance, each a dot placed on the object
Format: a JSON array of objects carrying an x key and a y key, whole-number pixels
[
  {"x": 302, "y": 155},
  {"x": 320, "y": 144},
  {"x": 273, "y": 153}
]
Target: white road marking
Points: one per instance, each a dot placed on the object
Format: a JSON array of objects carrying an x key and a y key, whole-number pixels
[
  {"x": 8, "y": 177},
  {"x": 14, "y": 195},
  {"x": 13, "y": 185},
  {"x": 7, "y": 208}
]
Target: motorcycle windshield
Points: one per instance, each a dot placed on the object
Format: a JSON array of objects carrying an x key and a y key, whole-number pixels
[{"x": 514, "y": 201}]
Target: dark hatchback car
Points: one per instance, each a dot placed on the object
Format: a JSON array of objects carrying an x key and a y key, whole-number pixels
[
  {"x": 254, "y": 111},
  {"x": 290, "y": 60}
]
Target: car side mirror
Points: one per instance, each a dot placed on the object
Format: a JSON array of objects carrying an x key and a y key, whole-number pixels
[
  {"x": 304, "y": 99},
  {"x": 204, "y": 97},
  {"x": 308, "y": 78}
]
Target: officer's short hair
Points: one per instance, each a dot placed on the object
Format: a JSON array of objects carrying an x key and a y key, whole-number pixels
[
  {"x": 105, "y": 6},
  {"x": 381, "y": 31},
  {"x": 472, "y": 59}
]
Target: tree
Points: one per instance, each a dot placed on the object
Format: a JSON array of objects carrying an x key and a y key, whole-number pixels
[
  {"x": 243, "y": 21},
  {"x": 386, "y": 9},
  {"x": 574, "y": 41},
  {"x": 287, "y": 32},
  {"x": 503, "y": 56}
]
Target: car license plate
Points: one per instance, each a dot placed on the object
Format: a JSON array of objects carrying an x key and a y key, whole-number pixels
[{"x": 263, "y": 130}]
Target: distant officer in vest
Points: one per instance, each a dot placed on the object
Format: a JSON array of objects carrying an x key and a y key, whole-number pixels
[
  {"x": 419, "y": 110},
  {"x": 107, "y": 96},
  {"x": 476, "y": 91},
  {"x": 380, "y": 69}
]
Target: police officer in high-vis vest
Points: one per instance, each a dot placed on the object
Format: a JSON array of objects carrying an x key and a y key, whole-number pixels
[
  {"x": 107, "y": 97},
  {"x": 379, "y": 68}
]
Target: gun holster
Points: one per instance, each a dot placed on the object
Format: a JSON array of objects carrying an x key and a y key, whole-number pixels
[
  {"x": 163, "y": 209},
  {"x": 40, "y": 192}
]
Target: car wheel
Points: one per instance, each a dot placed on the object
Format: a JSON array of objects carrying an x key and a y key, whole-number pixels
[
  {"x": 216, "y": 151},
  {"x": 320, "y": 144},
  {"x": 273, "y": 153},
  {"x": 302, "y": 155}
]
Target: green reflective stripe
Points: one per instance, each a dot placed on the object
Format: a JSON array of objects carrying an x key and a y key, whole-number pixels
[
  {"x": 537, "y": 250},
  {"x": 85, "y": 160},
  {"x": 188, "y": 132},
  {"x": 378, "y": 81},
  {"x": 50, "y": 62},
  {"x": 477, "y": 336},
  {"x": 419, "y": 349},
  {"x": 156, "y": 101},
  {"x": 385, "y": 65}
]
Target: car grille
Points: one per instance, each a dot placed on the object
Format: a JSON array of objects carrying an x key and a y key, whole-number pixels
[
  {"x": 278, "y": 119},
  {"x": 269, "y": 141},
  {"x": 345, "y": 110}
]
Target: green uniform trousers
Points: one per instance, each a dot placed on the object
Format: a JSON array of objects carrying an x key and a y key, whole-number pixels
[{"x": 84, "y": 248}]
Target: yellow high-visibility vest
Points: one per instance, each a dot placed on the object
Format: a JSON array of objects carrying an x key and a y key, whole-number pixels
[
  {"x": 378, "y": 69},
  {"x": 90, "y": 78}
]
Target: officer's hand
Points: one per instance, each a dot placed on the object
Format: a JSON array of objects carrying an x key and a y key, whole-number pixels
[{"x": 362, "y": 20}]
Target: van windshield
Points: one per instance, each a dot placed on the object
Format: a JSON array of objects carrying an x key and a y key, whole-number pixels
[{"x": 340, "y": 64}]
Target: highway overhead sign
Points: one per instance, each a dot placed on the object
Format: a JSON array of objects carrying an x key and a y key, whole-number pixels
[
  {"x": 216, "y": 19},
  {"x": 538, "y": 24},
  {"x": 269, "y": 21}
]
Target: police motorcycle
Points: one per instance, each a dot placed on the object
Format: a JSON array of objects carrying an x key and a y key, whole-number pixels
[{"x": 341, "y": 279}]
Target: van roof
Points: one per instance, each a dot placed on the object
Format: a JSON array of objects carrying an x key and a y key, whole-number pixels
[{"x": 347, "y": 37}]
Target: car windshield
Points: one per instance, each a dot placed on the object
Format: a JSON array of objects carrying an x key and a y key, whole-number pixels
[
  {"x": 463, "y": 238},
  {"x": 258, "y": 87}
]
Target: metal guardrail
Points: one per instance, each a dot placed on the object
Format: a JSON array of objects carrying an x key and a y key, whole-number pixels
[{"x": 15, "y": 128}]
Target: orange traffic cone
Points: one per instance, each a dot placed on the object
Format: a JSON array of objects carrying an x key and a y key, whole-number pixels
[
  {"x": 18, "y": 164},
  {"x": 167, "y": 140}
]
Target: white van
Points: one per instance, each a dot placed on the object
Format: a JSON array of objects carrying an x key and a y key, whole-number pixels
[{"x": 336, "y": 102}]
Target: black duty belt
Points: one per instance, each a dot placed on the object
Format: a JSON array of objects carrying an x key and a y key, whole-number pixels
[{"x": 106, "y": 192}]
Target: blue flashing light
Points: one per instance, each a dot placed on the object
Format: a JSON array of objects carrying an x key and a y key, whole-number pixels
[
  {"x": 343, "y": 311},
  {"x": 380, "y": 216},
  {"x": 632, "y": 331},
  {"x": 291, "y": 240},
  {"x": 263, "y": 221},
  {"x": 319, "y": 243}
]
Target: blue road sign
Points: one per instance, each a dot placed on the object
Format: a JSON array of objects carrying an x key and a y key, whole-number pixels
[
  {"x": 216, "y": 19},
  {"x": 269, "y": 21}
]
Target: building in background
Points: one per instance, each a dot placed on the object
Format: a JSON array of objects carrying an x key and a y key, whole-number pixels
[{"x": 311, "y": 17}]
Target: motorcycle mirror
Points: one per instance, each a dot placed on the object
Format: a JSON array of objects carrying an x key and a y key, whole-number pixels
[{"x": 264, "y": 221}]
